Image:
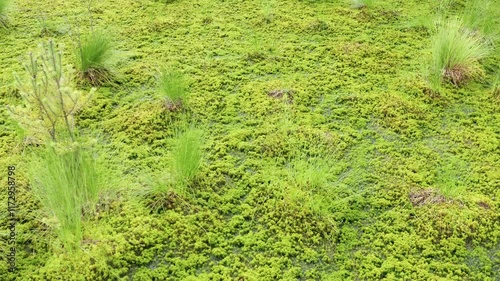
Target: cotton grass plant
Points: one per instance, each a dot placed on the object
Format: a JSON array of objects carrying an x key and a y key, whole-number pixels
[
  {"x": 308, "y": 183},
  {"x": 310, "y": 173},
  {"x": 94, "y": 54},
  {"x": 172, "y": 184},
  {"x": 160, "y": 192},
  {"x": 456, "y": 52}
]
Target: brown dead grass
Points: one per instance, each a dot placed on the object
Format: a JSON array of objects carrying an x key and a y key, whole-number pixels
[
  {"x": 281, "y": 93},
  {"x": 161, "y": 201},
  {"x": 96, "y": 76},
  {"x": 484, "y": 205},
  {"x": 426, "y": 196},
  {"x": 173, "y": 106},
  {"x": 457, "y": 74}
]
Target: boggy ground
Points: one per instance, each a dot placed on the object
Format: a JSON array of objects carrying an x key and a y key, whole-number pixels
[{"x": 284, "y": 89}]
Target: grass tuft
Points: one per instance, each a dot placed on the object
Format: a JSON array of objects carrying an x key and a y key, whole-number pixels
[
  {"x": 94, "y": 53},
  {"x": 479, "y": 15},
  {"x": 161, "y": 194},
  {"x": 307, "y": 186},
  {"x": 67, "y": 183},
  {"x": 172, "y": 87},
  {"x": 450, "y": 178},
  {"x": 456, "y": 52},
  {"x": 311, "y": 173},
  {"x": 268, "y": 11},
  {"x": 186, "y": 158}
]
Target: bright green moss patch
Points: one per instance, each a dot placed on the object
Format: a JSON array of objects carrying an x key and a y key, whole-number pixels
[{"x": 324, "y": 154}]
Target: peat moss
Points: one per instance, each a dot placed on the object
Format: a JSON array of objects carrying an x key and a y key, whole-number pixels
[{"x": 359, "y": 100}]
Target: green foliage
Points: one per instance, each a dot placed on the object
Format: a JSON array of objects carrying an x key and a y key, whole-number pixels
[
  {"x": 48, "y": 28},
  {"x": 172, "y": 87},
  {"x": 456, "y": 52},
  {"x": 50, "y": 101},
  {"x": 309, "y": 180},
  {"x": 256, "y": 48},
  {"x": 67, "y": 182},
  {"x": 311, "y": 173},
  {"x": 352, "y": 89},
  {"x": 186, "y": 159},
  {"x": 94, "y": 53},
  {"x": 428, "y": 21},
  {"x": 449, "y": 178},
  {"x": 480, "y": 15}
]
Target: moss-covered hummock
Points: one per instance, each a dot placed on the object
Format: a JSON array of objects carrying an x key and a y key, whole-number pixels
[{"x": 325, "y": 155}]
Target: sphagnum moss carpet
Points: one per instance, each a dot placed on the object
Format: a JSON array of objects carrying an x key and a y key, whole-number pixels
[{"x": 254, "y": 140}]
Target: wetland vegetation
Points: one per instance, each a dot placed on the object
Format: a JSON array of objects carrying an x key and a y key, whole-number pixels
[{"x": 250, "y": 140}]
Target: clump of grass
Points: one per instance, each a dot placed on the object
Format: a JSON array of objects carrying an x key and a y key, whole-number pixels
[
  {"x": 358, "y": 4},
  {"x": 172, "y": 87},
  {"x": 67, "y": 182},
  {"x": 186, "y": 158},
  {"x": 456, "y": 52},
  {"x": 161, "y": 193},
  {"x": 48, "y": 28},
  {"x": 425, "y": 22},
  {"x": 311, "y": 173},
  {"x": 308, "y": 179},
  {"x": 450, "y": 179},
  {"x": 93, "y": 56},
  {"x": 168, "y": 189},
  {"x": 479, "y": 15},
  {"x": 256, "y": 49}
]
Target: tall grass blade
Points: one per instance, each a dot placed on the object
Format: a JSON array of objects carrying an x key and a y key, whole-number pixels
[
  {"x": 480, "y": 15},
  {"x": 67, "y": 183},
  {"x": 172, "y": 87},
  {"x": 187, "y": 157}
]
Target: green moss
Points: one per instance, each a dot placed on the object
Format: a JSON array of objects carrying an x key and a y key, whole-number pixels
[{"x": 313, "y": 185}]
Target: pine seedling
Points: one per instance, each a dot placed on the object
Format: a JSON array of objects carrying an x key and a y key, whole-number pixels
[{"x": 50, "y": 100}]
